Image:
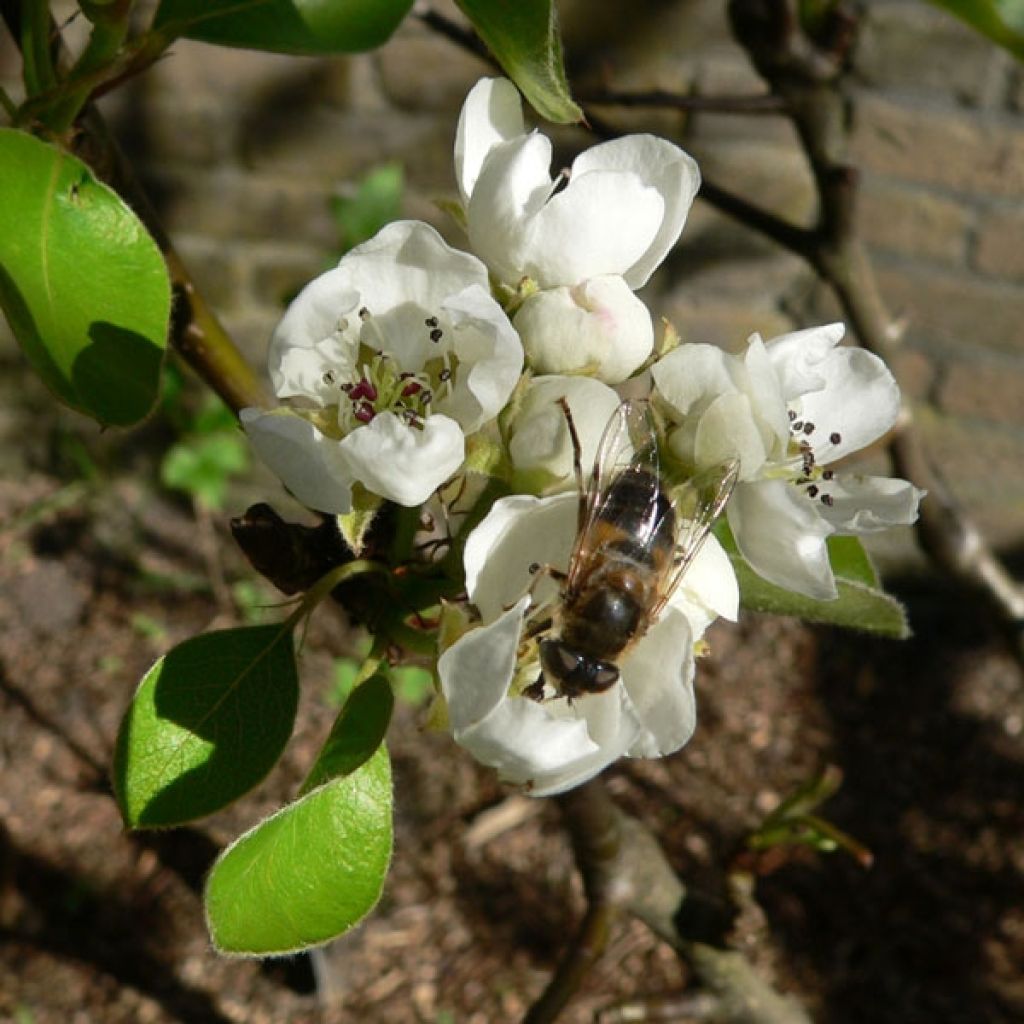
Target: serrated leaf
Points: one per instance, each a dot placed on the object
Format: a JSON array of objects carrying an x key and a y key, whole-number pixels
[
  {"x": 308, "y": 873},
  {"x": 84, "y": 287},
  {"x": 284, "y": 26},
  {"x": 1001, "y": 20},
  {"x": 208, "y": 721},
  {"x": 523, "y": 35},
  {"x": 357, "y": 732},
  {"x": 861, "y": 604}
]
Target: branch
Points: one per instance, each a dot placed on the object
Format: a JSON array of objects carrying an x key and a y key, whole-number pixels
[
  {"x": 808, "y": 78},
  {"x": 625, "y": 870}
]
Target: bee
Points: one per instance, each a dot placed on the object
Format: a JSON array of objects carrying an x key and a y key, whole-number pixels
[{"x": 635, "y": 539}]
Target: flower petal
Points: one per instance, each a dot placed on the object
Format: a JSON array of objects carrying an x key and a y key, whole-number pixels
[
  {"x": 658, "y": 678},
  {"x": 601, "y": 223},
  {"x": 859, "y": 403},
  {"x": 696, "y": 373},
  {"x": 867, "y": 504},
  {"x": 311, "y": 465},
  {"x": 490, "y": 357},
  {"x": 403, "y": 463},
  {"x": 537, "y": 436},
  {"x": 661, "y": 165},
  {"x": 781, "y": 533},
  {"x": 513, "y": 185},
  {"x": 797, "y": 357},
  {"x": 517, "y": 531},
  {"x": 728, "y": 429},
  {"x": 708, "y": 588},
  {"x": 492, "y": 114},
  {"x": 598, "y": 327}
]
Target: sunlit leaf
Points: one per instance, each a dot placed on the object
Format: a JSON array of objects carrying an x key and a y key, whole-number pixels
[
  {"x": 285, "y": 26},
  {"x": 523, "y": 35},
  {"x": 861, "y": 604},
  {"x": 208, "y": 721},
  {"x": 84, "y": 287},
  {"x": 377, "y": 201},
  {"x": 308, "y": 873},
  {"x": 358, "y": 731}
]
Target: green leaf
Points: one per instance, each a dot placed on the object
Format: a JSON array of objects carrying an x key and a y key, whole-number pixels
[
  {"x": 860, "y": 605},
  {"x": 377, "y": 201},
  {"x": 308, "y": 873},
  {"x": 524, "y": 38},
  {"x": 84, "y": 287},
  {"x": 1001, "y": 20},
  {"x": 357, "y": 732},
  {"x": 208, "y": 721},
  {"x": 284, "y": 26}
]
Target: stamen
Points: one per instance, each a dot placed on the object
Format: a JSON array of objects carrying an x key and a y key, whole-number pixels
[
  {"x": 364, "y": 413},
  {"x": 436, "y": 335},
  {"x": 431, "y": 321},
  {"x": 791, "y": 415},
  {"x": 835, "y": 437},
  {"x": 411, "y": 388},
  {"x": 808, "y": 428},
  {"x": 827, "y": 499},
  {"x": 364, "y": 314},
  {"x": 827, "y": 474},
  {"x": 798, "y": 425},
  {"x": 812, "y": 491}
]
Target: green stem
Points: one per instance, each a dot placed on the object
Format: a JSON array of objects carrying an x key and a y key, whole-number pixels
[{"x": 37, "y": 59}]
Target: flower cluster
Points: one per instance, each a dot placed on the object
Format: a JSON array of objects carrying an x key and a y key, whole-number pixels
[{"x": 411, "y": 354}]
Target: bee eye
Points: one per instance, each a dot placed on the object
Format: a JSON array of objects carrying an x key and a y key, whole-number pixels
[
  {"x": 567, "y": 660},
  {"x": 606, "y": 676}
]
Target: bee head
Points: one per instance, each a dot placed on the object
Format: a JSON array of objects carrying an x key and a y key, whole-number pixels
[{"x": 575, "y": 673}]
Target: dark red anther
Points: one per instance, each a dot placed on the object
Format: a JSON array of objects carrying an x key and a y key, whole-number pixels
[
  {"x": 364, "y": 389},
  {"x": 364, "y": 413},
  {"x": 412, "y": 388}
]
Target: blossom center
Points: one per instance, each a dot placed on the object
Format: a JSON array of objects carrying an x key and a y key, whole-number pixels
[
  {"x": 807, "y": 475},
  {"x": 377, "y": 381}
]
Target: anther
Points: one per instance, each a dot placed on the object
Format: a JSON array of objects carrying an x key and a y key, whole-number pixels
[
  {"x": 791, "y": 415},
  {"x": 798, "y": 425},
  {"x": 827, "y": 499},
  {"x": 808, "y": 428},
  {"x": 436, "y": 334},
  {"x": 411, "y": 388},
  {"x": 431, "y": 321},
  {"x": 364, "y": 313},
  {"x": 827, "y": 474},
  {"x": 364, "y": 413},
  {"x": 444, "y": 375},
  {"x": 533, "y": 568},
  {"x": 835, "y": 437}
]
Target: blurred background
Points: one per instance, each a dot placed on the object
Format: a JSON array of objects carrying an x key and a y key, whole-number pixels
[{"x": 115, "y": 546}]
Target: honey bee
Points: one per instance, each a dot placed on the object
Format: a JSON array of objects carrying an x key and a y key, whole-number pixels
[{"x": 635, "y": 539}]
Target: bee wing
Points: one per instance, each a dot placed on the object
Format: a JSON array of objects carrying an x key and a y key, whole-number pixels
[
  {"x": 697, "y": 504},
  {"x": 628, "y": 443}
]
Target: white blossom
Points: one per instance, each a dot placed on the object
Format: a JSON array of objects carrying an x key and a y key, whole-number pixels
[
  {"x": 789, "y": 408},
  {"x": 389, "y": 361},
  {"x": 585, "y": 239},
  {"x": 552, "y": 745}
]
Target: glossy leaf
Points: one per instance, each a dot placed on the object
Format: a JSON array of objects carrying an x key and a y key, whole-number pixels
[
  {"x": 1001, "y": 20},
  {"x": 523, "y": 35},
  {"x": 84, "y": 287},
  {"x": 208, "y": 721},
  {"x": 308, "y": 873},
  {"x": 357, "y": 732},
  {"x": 861, "y": 604},
  {"x": 284, "y": 26}
]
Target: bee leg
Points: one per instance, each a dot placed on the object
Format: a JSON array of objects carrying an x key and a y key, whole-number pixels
[
  {"x": 535, "y": 691},
  {"x": 577, "y": 463}
]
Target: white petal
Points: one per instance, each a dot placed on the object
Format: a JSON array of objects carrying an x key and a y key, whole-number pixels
[
  {"x": 409, "y": 262},
  {"x": 601, "y": 223},
  {"x": 312, "y": 466},
  {"x": 310, "y": 324},
  {"x": 513, "y": 185},
  {"x": 859, "y": 403},
  {"x": 598, "y": 327},
  {"x": 708, "y": 587},
  {"x": 866, "y": 504},
  {"x": 665, "y": 167},
  {"x": 491, "y": 114},
  {"x": 658, "y": 677},
  {"x": 490, "y": 357},
  {"x": 538, "y": 439},
  {"x": 516, "y": 532},
  {"x": 728, "y": 429},
  {"x": 692, "y": 374},
  {"x": 766, "y": 395},
  {"x": 781, "y": 533},
  {"x": 402, "y": 463},
  {"x": 797, "y": 357}
]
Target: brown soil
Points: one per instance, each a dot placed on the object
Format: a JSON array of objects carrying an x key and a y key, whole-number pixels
[{"x": 98, "y": 925}]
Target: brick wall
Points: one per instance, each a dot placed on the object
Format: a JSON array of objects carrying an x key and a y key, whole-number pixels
[{"x": 242, "y": 151}]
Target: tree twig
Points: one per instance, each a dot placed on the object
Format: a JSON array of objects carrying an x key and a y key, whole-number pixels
[
  {"x": 808, "y": 78},
  {"x": 625, "y": 870},
  {"x": 766, "y": 103}
]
